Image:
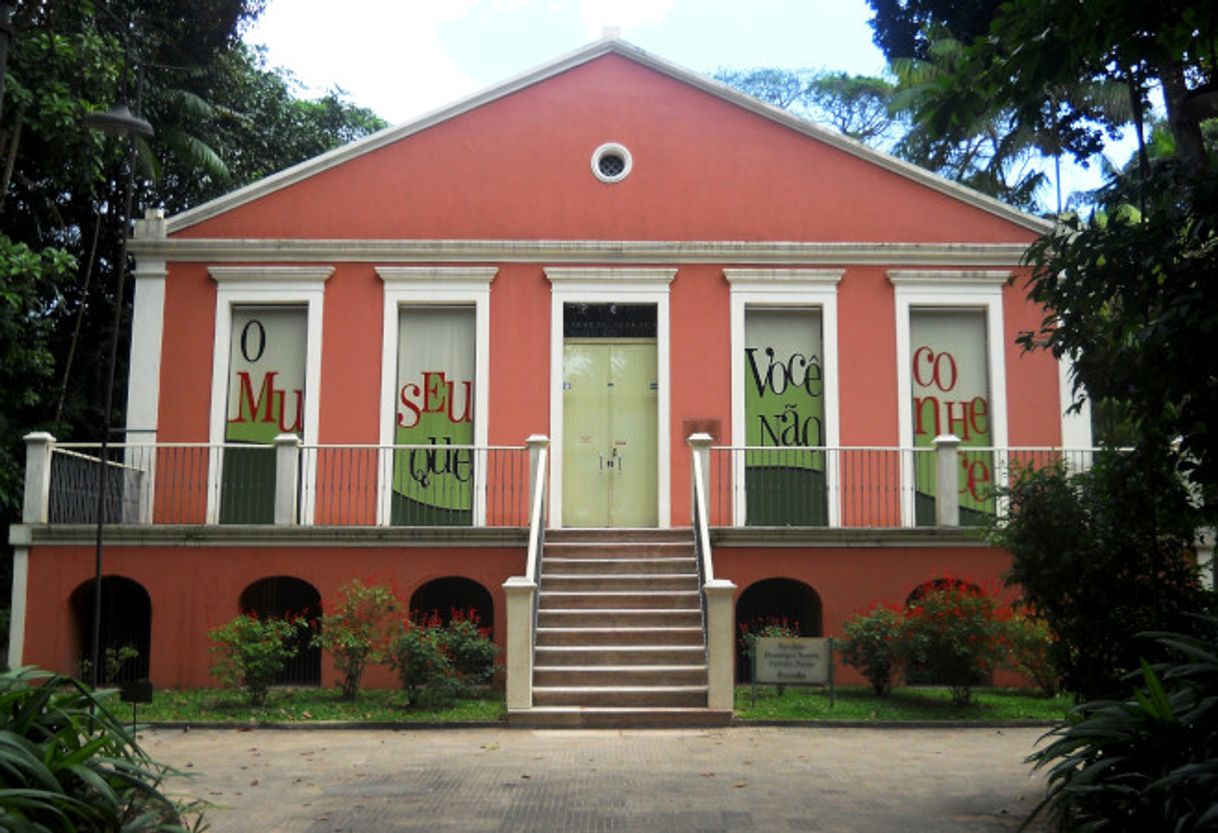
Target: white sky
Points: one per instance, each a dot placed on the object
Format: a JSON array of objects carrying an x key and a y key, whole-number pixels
[{"x": 402, "y": 58}]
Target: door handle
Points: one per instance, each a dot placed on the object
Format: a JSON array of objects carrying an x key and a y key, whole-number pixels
[{"x": 601, "y": 465}]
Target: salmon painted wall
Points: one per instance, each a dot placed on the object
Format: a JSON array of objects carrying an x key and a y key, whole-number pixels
[
  {"x": 184, "y": 608},
  {"x": 700, "y": 361},
  {"x": 850, "y": 580},
  {"x": 518, "y": 167}
]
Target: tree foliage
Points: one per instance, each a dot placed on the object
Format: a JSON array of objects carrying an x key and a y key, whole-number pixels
[
  {"x": 1101, "y": 556},
  {"x": 222, "y": 120}
]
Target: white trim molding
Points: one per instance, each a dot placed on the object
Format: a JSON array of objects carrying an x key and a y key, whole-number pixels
[
  {"x": 420, "y": 286},
  {"x": 270, "y": 286},
  {"x": 717, "y": 252},
  {"x": 606, "y": 286},
  {"x": 1076, "y": 425},
  {"x": 786, "y": 289},
  {"x": 948, "y": 289}
]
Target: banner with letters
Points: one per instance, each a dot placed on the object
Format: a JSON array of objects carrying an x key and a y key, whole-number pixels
[
  {"x": 266, "y": 397},
  {"x": 950, "y": 383},
  {"x": 784, "y": 413},
  {"x": 434, "y": 407}
]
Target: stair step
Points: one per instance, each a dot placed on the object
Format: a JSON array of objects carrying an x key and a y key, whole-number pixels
[
  {"x": 626, "y": 618},
  {"x": 651, "y": 565},
  {"x": 619, "y": 655},
  {"x": 690, "y": 696},
  {"x": 624, "y": 581},
  {"x": 628, "y": 549},
  {"x": 564, "y": 536},
  {"x": 604, "y": 717},
  {"x": 619, "y": 675},
  {"x": 614, "y": 599},
  {"x": 553, "y": 637}
]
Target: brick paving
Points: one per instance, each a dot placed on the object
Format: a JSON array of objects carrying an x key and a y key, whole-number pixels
[{"x": 673, "y": 781}]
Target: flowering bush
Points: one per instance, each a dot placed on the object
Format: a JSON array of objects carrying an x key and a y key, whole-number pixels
[
  {"x": 469, "y": 647},
  {"x": 1031, "y": 652},
  {"x": 250, "y": 651},
  {"x": 423, "y": 666},
  {"x": 358, "y": 631},
  {"x": 768, "y": 626},
  {"x": 875, "y": 645},
  {"x": 953, "y": 631}
]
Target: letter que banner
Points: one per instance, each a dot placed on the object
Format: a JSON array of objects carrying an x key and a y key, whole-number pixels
[
  {"x": 434, "y": 407},
  {"x": 950, "y": 384},
  {"x": 784, "y": 411}
]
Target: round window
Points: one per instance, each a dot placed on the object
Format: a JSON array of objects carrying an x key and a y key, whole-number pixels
[{"x": 611, "y": 162}]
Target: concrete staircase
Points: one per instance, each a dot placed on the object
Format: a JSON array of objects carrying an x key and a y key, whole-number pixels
[{"x": 619, "y": 632}]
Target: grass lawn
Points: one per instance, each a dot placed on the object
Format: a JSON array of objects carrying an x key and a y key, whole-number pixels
[
  {"x": 907, "y": 704},
  {"x": 284, "y": 705}
]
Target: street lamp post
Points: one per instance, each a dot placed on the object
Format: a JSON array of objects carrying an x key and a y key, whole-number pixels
[{"x": 120, "y": 121}]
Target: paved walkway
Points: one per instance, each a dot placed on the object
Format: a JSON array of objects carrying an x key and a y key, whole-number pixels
[{"x": 672, "y": 781}]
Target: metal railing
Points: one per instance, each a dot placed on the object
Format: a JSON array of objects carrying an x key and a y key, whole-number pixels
[
  {"x": 286, "y": 483},
  {"x": 869, "y": 487}
]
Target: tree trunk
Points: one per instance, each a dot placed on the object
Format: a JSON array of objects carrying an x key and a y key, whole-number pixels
[{"x": 1185, "y": 129}]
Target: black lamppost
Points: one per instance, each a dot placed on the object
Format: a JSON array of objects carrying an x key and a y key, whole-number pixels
[{"x": 120, "y": 121}]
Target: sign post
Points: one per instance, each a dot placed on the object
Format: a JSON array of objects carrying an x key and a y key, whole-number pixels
[{"x": 783, "y": 660}]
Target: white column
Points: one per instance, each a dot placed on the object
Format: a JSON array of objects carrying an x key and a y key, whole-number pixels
[
  {"x": 37, "y": 477},
  {"x": 699, "y": 448},
  {"x": 16, "y": 622},
  {"x": 720, "y": 645},
  {"x": 287, "y": 475},
  {"x": 147, "y": 328},
  {"x": 947, "y": 482},
  {"x": 519, "y": 591},
  {"x": 536, "y": 443}
]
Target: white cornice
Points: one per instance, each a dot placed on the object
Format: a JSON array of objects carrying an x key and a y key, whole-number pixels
[
  {"x": 270, "y": 274},
  {"x": 947, "y": 277},
  {"x": 782, "y": 278},
  {"x": 565, "y": 63},
  {"x": 437, "y": 274},
  {"x": 565, "y": 274},
  {"x": 776, "y": 253}
]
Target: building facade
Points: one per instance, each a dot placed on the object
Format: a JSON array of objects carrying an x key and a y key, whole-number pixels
[{"x": 335, "y": 371}]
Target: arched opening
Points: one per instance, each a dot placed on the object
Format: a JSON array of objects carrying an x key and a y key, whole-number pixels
[
  {"x": 778, "y": 604},
  {"x": 453, "y": 596},
  {"x": 285, "y": 597},
  {"x": 917, "y": 673},
  {"x": 126, "y": 629}
]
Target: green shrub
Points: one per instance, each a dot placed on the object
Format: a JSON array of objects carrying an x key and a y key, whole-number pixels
[
  {"x": 113, "y": 660},
  {"x": 69, "y": 764},
  {"x": 1102, "y": 555},
  {"x": 952, "y": 631},
  {"x": 1149, "y": 763},
  {"x": 251, "y": 651},
  {"x": 358, "y": 631},
  {"x": 469, "y": 649},
  {"x": 426, "y": 672},
  {"x": 874, "y": 645},
  {"x": 1030, "y": 646}
]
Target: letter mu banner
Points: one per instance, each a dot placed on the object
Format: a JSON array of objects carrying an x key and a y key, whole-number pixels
[
  {"x": 433, "y": 480},
  {"x": 950, "y": 384},
  {"x": 784, "y": 411},
  {"x": 266, "y": 395}
]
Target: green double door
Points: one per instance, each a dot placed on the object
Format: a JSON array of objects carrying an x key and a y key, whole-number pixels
[{"x": 609, "y": 470}]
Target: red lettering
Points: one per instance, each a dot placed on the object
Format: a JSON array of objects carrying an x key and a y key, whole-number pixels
[
  {"x": 979, "y": 411},
  {"x": 977, "y": 474},
  {"x": 405, "y": 397},
  {"x": 923, "y": 356},
  {"x": 433, "y": 386},
  {"x": 247, "y": 404},
  {"x": 920, "y": 407},
  {"x": 960, "y": 419}
]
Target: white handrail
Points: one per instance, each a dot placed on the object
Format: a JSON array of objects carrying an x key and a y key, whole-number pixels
[
  {"x": 703, "y": 522},
  {"x": 536, "y": 516}
]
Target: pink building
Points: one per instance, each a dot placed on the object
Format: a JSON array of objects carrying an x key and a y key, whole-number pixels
[{"x": 609, "y": 254}]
